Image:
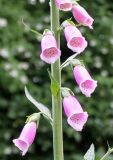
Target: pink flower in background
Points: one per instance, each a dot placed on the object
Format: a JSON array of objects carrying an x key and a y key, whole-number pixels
[
  {"x": 64, "y": 5},
  {"x": 26, "y": 137},
  {"x": 50, "y": 52},
  {"x": 75, "y": 41},
  {"x": 86, "y": 84},
  {"x": 81, "y": 16},
  {"x": 73, "y": 110}
]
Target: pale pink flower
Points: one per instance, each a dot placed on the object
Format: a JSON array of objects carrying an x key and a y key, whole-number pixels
[
  {"x": 81, "y": 16},
  {"x": 26, "y": 137},
  {"x": 74, "y": 112},
  {"x": 86, "y": 84},
  {"x": 75, "y": 41},
  {"x": 50, "y": 52},
  {"x": 64, "y": 5}
]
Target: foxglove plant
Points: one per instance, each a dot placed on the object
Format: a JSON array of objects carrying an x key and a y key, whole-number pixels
[{"x": 50, "y": 46}]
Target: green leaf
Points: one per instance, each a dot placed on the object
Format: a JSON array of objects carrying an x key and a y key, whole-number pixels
[
  {"x": 65, "y": 64},
  {"x": 42, "y": 108},
  {"x": 54, "y": 85},
  {"x": 69, "y": 60},
  {"x": 32, "y": 30},
  {"x": 90, "y": 154}
]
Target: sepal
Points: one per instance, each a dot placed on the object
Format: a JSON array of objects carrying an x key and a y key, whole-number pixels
[
  {"x": 47, "y": 32},
  {"x": 35, "y": 117},
  {"x": 66, "y": 92}
]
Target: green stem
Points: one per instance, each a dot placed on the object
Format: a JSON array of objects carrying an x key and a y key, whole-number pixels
[
  {"x": 56, "y": 101},
  {"x": 110, "y": 150}
]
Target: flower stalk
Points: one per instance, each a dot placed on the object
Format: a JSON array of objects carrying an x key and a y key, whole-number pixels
[
  {"x": 110, "y": 150},
  {"x": 56, "y": 101}
]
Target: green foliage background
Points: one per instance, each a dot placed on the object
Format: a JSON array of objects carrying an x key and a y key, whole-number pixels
[{"x": 20, "y": 65}]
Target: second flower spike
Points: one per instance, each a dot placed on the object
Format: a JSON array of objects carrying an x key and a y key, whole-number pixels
[
  {"x": 50, "y": 52},
  {"x": 73, "y": 110},
  {"x": 75, "y": 41}
]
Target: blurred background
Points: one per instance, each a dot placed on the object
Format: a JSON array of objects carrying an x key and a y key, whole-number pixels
[{"x": 20, "y": 65}]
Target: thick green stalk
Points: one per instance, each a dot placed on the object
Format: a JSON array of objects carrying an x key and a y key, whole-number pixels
[{"x": 56, "y": 101}]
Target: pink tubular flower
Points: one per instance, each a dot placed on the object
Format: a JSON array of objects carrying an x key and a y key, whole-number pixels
[
  {"x": 26, "y": 137},
  {"x": 81, "y": 16},
  {"x": 50, "y": 52},
  {"x": 75, "y": 41},
  {"x": 64, "y": 5},
  {"x": 86, "y": 84},
  {"x": 73, "y": 110}
]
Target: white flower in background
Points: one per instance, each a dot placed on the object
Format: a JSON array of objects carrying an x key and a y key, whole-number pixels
[
  {"x": 111, "y": 104},
  {"x": 3, "y": 22},
  {"x": 104, "y": 73},
  {"x": 23, "y": 66},
  {"x": 42, "y": 1},
  {"x": 33, "y": 2},
  {"x": 104, "y": 50},
  {"x": 7, "y": 150},
  {"x": 7, "y": 66},
  {"x": 4, "y": 53},
  {"x": 93, "y": 43},
  {"x": 20, "y": 49},
  {"x": 27, "y": 54},
  {"x": 111, "y": 40},
  {"x": 39, "y": 26},
  {"x": 14, "y": 73},
  {"x": 97, "y": 62},
  {"x": 36, "y": 79},
  {"x": 38, "y": 38},
  {"x": 77, "y": 90},
  {"x": 46, "y": 19},
  {"x": 24, "y": 79},
  {"x": 111, "y": 63}
]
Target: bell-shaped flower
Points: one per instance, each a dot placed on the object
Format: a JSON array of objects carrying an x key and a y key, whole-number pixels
[
  {"x": 75, "y": 41},
  {"x": 81, "y": 16},
  {"x": 64, "y": 5},
  {"x": 86, "y": 84},
  {"x": 26, "y": 138},
  {"x": 76, "y": 117},
  {"x": 50, "y": 52}
]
